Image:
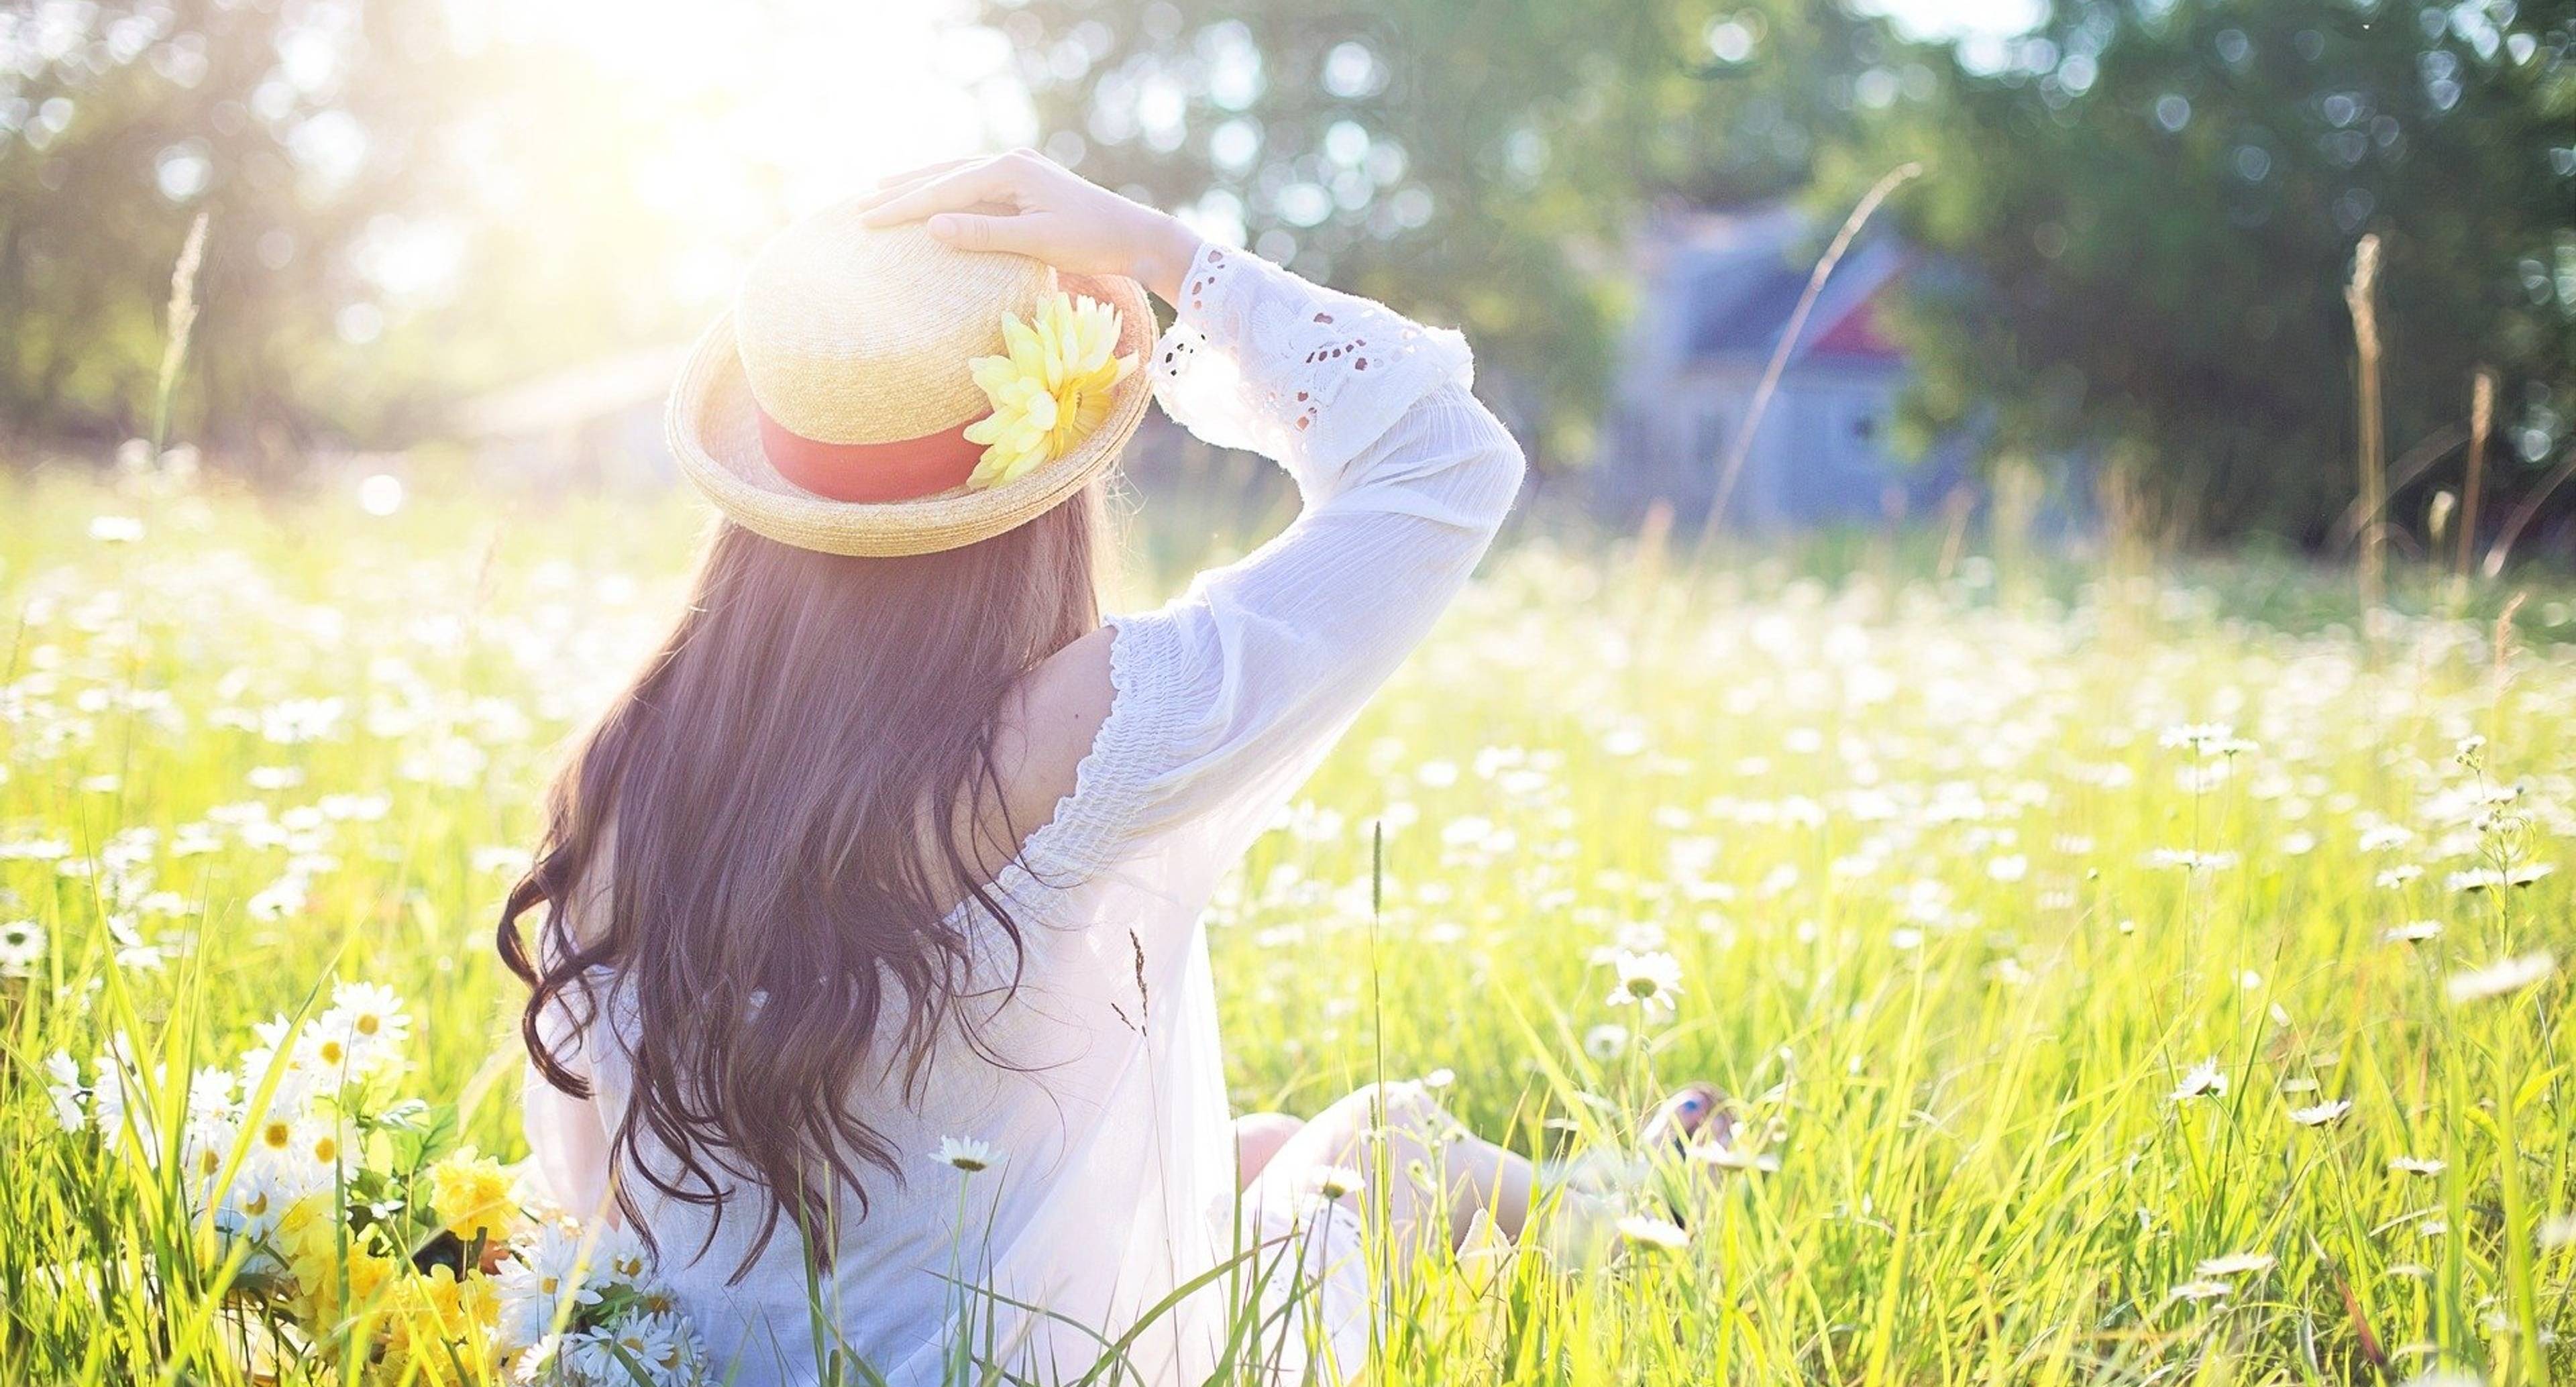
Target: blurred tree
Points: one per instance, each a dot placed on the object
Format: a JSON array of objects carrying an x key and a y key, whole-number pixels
[
  {"x": 291, "y": 126},
  {"x": 2153, "y": 207},
  {"x": 1474, "y": 163},
  {"x": 384, "y": 236}
]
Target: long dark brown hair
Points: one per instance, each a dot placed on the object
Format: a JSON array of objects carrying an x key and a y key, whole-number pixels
[{"x": 791, "y": 784}]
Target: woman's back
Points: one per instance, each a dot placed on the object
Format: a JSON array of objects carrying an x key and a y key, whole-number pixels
[
  {"x": 1078, "y": 1037},
  {"x": 1106, "y": 1166}
]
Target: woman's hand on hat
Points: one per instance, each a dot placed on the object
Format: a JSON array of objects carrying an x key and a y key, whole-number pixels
[{"x": 1027, "y": 204}]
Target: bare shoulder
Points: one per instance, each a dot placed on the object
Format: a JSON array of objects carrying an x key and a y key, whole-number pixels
[
  {"x": 585, "y": 915},
  {"x": 1040, "y": 736}
]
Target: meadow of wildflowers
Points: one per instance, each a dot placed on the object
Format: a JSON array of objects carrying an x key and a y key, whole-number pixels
[{"x": 2110, "y": 986}]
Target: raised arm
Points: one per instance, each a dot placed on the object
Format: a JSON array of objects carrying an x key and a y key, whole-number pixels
[
  {"x": 1212, "y": 709},
  {"x": 1260, "y": 665}
]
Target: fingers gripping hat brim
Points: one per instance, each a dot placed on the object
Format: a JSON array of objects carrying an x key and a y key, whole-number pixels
[{"x": 714, "y": 429}]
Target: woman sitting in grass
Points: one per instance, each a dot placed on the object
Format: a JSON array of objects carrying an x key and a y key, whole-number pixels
[{"x": 871, "y": 986}]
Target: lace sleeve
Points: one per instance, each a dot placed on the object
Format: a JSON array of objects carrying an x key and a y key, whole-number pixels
[
  {"x": 1263, "y": 361},
  {"x": 1228, "y": 696}
]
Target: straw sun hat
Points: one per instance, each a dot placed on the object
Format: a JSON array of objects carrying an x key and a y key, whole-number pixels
[{"x": 828, "y": 409}]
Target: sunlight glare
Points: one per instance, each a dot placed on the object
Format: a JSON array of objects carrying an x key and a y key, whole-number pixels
[{"x": 732, "y": 119}]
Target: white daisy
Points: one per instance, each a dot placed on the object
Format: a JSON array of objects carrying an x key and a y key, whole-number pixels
[
  {"x": 657, "y": 1341},
  {"x": 968, "y": 1154},
  {"x": 1336, "y": 1182},
  {"x": 1648, "y": 1231},
  {"x": 321, "y": 1145},
  {"x": 113, "y": 1089},
  {"x": 22, "y": 947},
  {"x": 2501, "y": 978},
  {"x": 63, "y": 1086},
  {"x": 367, "y": 1019},
  {"x": 1649, "y": 981},
  {"x": 2196, "y": 736},
  {"x": 210, "y": 1096},
  {"x": 675, "y": 1351},
  {"x": 1726, "y": 1157},
  {"x": 211, "y": 1127},
  {"x": 295, "y": 1076},
  {"x": 588, "y": 1358},
  {"x": 2417, "y": 1165},
  {"x": 2382, "y": 837},
  {"x": 2324, "y": 1114},
  {"x": 2206, "y": 1080},
  {"x": 2235, "y": 1264},
  {"x": 259, "y": 1195},
  {"x": 542, "y": 1281},
  {"x": 1605, "y": 1042},
  {"x": 620, "y": 1257},
  {"x": 2489, "y": 879}
]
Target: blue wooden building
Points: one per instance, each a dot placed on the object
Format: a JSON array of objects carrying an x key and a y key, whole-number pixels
[{"x": 1717, "y": 291}]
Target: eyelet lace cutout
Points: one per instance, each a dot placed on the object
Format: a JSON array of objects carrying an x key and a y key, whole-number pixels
[{"x": 1308, "y": 376}]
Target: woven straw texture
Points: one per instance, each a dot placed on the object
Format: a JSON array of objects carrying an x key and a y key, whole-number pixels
[
  {"x": 854, "y": 334},
  {"x": 714, "y": 428}
]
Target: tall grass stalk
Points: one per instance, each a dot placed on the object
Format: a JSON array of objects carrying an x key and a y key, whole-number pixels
[
  {"x": 2361, "y": 296},
  {"x": 182, "y": 323},
  {"x": 2429, "y": 450},
  {"x": 2526, "y": 512},
  {"x": 2481, "y": 420}
]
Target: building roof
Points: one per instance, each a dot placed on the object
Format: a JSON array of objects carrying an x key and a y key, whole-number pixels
[{"x": 1740, "y": 274}]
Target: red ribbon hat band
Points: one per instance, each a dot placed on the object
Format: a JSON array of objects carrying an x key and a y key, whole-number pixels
[{"x": 905, "y": 469}]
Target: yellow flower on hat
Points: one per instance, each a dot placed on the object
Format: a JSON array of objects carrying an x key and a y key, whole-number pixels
[{"x": 1049, "y": 390}]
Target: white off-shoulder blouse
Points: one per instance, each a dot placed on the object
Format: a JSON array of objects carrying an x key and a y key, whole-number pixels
[{"x": 1116, "y": 1179}]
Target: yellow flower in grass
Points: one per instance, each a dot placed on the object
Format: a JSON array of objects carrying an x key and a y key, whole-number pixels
[
  {"x": 472, "y": 1194},
  {"x": 337, "y": 1270},
  {"x": 439, "y": 1330},
  {"x": 1049, "y": 390}
]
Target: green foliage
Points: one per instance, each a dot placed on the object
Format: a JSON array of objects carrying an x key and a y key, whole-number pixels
[
  {"x": 131, "y": 119},
  {"x": 2151, "y": 211},
  {"x": 1477, "y": 164},
  {"x": 383, "y": 235},
  {"x": 405, "y": 209}
]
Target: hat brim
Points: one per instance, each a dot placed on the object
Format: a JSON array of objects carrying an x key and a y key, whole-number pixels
[{"x": 714, "y": 431}]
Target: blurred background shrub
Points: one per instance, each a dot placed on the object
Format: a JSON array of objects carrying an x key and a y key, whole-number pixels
[{"x": 441, "y": 220}]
